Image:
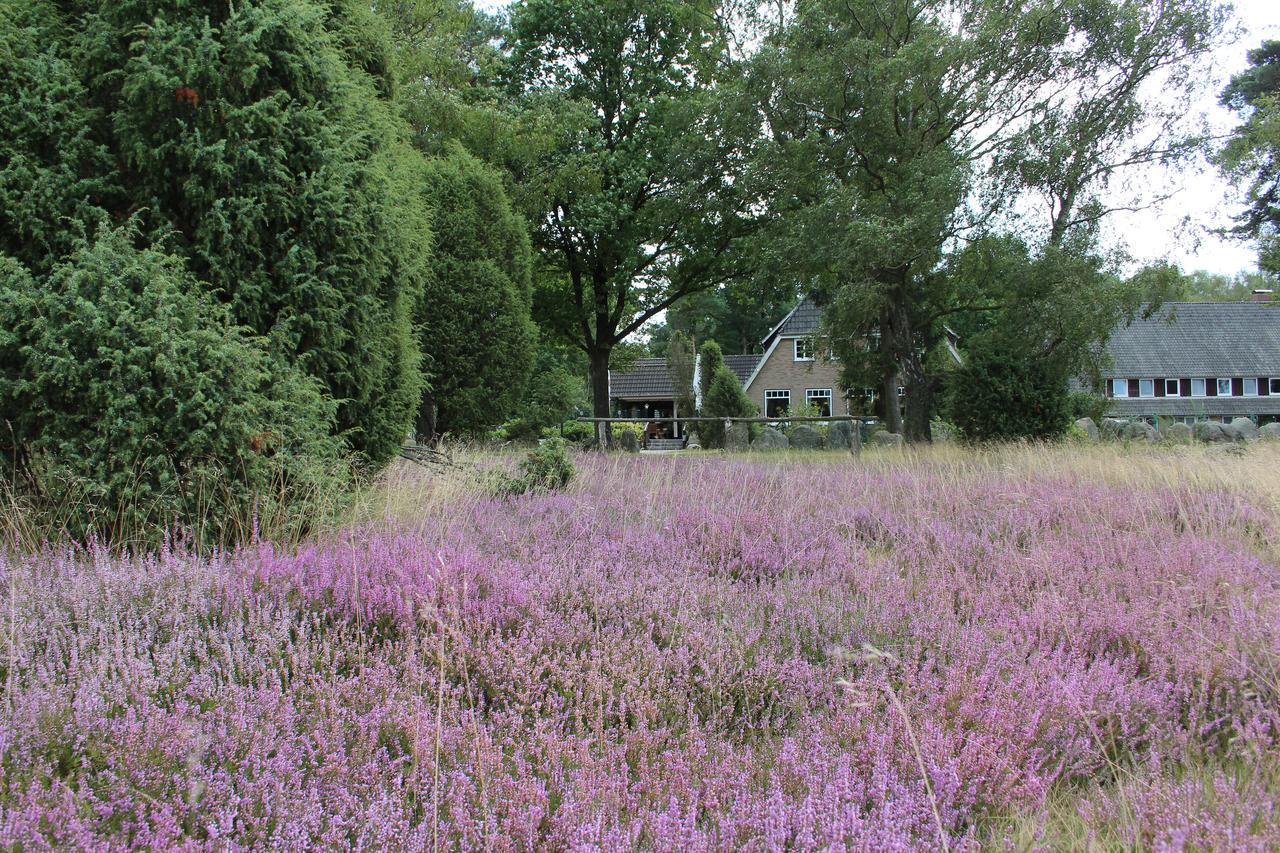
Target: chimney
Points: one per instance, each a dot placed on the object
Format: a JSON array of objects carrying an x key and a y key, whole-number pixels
[{"x": 1263, "y": 294}]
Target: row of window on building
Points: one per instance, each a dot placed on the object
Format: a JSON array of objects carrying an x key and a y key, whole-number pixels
[
  {"x": 777, "y": 402},
  {"x": 1238, "y": 387}
]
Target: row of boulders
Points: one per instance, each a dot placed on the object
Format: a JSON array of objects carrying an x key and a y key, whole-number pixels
[
  {"x": 841, "y": 435},
  {"x": 1206, "y": 432}
]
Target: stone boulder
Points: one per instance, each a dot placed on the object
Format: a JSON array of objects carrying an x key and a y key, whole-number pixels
[
  {"x": 770, "y": 439},
  {"x": 1178, "y": 433},
  {"x": 1211, "y": 433},
  {"x": 1269, "y": 432},
  {"x": 1245, "y": 428},
  {"x": 738, "y": 438},
  {"x": 1089, "y": 428},
  {"x": 886, "y": 439},
  {"x": 1112, "y": 428},
  {"x": 805, "y": 437},
  {"x": 629, "y": 441},
  {"x": 840, "y": 437},
  {"x": 1138, "y": 431}
]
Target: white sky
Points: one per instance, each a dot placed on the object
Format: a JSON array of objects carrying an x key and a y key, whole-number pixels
[{"x": 1181, "y": 230}]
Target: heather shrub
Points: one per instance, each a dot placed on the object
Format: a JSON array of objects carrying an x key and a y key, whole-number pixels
[
  {"x": 962, "y": 649},
  {"x": 132, "y": 405}
]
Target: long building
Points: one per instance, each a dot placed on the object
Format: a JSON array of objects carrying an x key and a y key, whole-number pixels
[{"x": 1195, "y": 361}]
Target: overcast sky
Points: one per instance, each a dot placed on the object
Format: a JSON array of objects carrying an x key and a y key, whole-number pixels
[{"x": 1181, "y": 230}]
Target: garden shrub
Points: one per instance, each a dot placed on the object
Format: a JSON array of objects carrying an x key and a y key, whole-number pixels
[
  {"x": 617, "y": 428},
  {"x": 997, "y": 396},
  {"x": 130, "y": 404},
  {"x": 724, "y": 399},
  {"x": 546, "y": 469}
]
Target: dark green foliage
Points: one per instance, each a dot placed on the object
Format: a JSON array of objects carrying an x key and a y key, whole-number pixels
[
  {"x": 254, "y": 141},
  {"x": 1038, "y": 321},
  {"x": 555, "y": 392},
  {"x": 724, "y": 398},
  {"x": 476, "y": 334},
  {"x": 131, "y": 405},
  {"x": 1252, "y": 154},
  {"x": 680, "y": 366},
  {"x": 1001, "y": 396},
  {"x": 547, "y": 468},
  {"x": 711, "y": 359}
]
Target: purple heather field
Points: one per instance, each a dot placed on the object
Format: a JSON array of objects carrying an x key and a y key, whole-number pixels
[{"x": 702, "y": 653}]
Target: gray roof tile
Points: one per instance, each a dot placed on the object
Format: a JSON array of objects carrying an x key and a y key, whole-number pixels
[
  {"x": 1199, "y": 339},
  {"x": 651, "y": 381},
  {"x": 804, "y": 319}
]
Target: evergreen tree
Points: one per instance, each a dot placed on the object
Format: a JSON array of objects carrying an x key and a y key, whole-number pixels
[
  {"x": 253, "y": 140},
  {"x": 477, "y": 336}
]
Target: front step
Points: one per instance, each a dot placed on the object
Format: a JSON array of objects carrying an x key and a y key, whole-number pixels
[{"x": 664, "y": 444}]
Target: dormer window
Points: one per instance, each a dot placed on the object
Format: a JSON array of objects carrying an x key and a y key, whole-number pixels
[
  {"x": 1224, "y": 387},
  {"x": 1171, "y": 388},
  {"x": 1197, "y": 387},
  {"x": 804, "y": 349},
  {"x": 1146, "y": 387},
  {"x": 1251, "y": 387},
  {"x": 1119, "y": 387}
]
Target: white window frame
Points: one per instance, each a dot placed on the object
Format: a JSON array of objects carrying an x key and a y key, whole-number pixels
[
  {"x": 796, "y": 356},
  {"x": 1251, "y": 384},
  {"x": 1219, "y": 384},
  {"x": 1146, "y": 387},
  {"x": 776, "y": 394},
  {"x": 1119, "y": 388},
  {"x": 1176, "y": 385},
  {"x": 811, "y": 394},
  {"x": 1202, "y": 384},
  {"x": 1275, "y": 385}
]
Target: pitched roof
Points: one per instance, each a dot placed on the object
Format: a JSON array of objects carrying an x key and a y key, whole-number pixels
[
  {"x": 1194, "y": 339},
  {"x": 804, "y": 319},
  {"x": 651, "y": 381},
  {"x": 742, "y": 365},
  {"x": 648, "y": 381}
]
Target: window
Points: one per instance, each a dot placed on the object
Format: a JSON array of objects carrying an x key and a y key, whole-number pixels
[
  {"x": 804, "y": 349},
  {"x": 1224, "y": 387},
  {"x": 1172, "y": 388},
  {"x": 1146, "y": 387},
  {"x": 820, "y": 399},
  {"x": 1119, "y": 387},
  {"x": 776, "y": 403},
  {"x": 1197, "y": 387},
  {"x": 1275, "y": 386},
  {"x": 1251, "y": 387}
]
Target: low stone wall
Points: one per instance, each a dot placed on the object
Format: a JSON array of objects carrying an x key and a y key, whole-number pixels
[{"x": 1238, "y": 431}]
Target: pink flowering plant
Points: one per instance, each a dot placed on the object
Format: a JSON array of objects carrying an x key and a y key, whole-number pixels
[{"x": 683, "y": 654}]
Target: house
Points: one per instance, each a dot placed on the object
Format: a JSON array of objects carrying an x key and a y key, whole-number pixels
[
  {"x": 1198, "y": 361},
  {"x": 787, "y": 375},
  {"x": 646, "y": 392},
  {"x": 792, "y": 373}
]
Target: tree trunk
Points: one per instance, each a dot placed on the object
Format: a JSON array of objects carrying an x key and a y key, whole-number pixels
[
  {"x": 889, "y": 398},
  {"x": 919, "y": 405},
  {"x": 425, "y": 428},
  {"x": 600, "y": 393}
]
